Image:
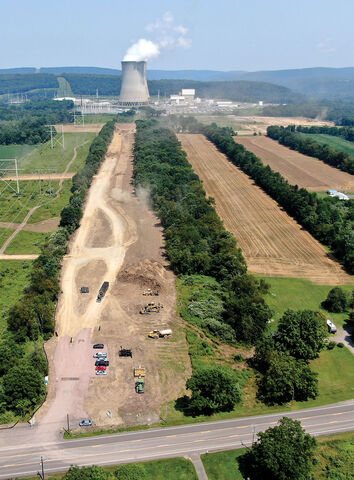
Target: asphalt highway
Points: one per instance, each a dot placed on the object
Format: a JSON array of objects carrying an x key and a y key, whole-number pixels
[{"x": 23, "y": 459}]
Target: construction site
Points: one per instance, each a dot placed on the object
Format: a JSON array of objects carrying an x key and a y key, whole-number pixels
[{"x": 113, "y": 272}]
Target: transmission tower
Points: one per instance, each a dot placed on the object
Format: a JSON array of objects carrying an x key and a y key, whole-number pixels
[
  {"x": 56, "y": 139},
  {"x": 9, "y": 177}
]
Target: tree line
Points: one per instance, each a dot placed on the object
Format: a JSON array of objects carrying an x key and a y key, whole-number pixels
[
  {"x": 19, "y": 83},
  {"x": 329, "y": 220},
  {"x": 32, "y": 317},
  {"x": 345, "y": 132},
  {"x": 227, "y": 301},
  {"x": 287, "y": 136}
]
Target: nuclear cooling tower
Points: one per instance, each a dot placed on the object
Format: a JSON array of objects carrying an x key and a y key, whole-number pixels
[{"x": 134, "y": 89}]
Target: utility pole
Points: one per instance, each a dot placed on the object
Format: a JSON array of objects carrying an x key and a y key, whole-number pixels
[
  {"x": 18, "y": 187},
  {"x": 62, "y": 136},
  {"x": 51, "y": 137},
  {"x": 41, "y": 474},
  {"x": 67, "y": 419}
]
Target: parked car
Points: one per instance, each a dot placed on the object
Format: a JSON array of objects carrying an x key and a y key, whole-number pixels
[
  {"x": 85, "y": 423},
  {"x": 101, "y": 361},
  {"x": 100, "y": 355},
  {"x": 331, "y": 327},
  {"x": 101, "y": 367},
  {"x": 98, "y": 345},
  {"x": 101, "y": 372}
]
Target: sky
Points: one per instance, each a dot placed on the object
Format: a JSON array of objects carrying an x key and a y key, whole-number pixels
[{"x": 246, "y": 35}]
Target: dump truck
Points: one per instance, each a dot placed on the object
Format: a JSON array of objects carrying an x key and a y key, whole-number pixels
[
  {"x": 139, "y": 371},
  {"x": 102, "y": 291},
  {"x": 140, "y": 385},
  {"x": 160, "y": 333}
]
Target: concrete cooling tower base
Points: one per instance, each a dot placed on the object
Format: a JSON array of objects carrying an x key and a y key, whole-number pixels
[{"x": 134, "y": 90}]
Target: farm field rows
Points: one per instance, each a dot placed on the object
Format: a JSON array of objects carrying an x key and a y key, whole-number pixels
[
  {"x": 272, "y": 242},
  {"x": 337, "y": 143},
  {"x": 297, "y": 168}
]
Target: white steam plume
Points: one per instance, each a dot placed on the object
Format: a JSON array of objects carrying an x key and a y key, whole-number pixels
[{"x": 167, "y": 36}]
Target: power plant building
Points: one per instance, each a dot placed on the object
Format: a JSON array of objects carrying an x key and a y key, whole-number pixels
[{"x": 134, "y": 89}]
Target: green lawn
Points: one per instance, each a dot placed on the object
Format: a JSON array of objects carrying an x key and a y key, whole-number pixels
[
  {"x": 26, "y": 242},
  {"x": 223, "y": 465},
  {"x": 13, "y": 279},
  {"x": 299, "y": 294},
  {"x": 337, "y": 143},
  {"x": 4, "y": 234},
  {"x": 43, "y": 157},
  {"x": 99, "y": 118},
  {"x": 51, "y": 208},
  {"x": 334, "y": 460},
  {"x": 167, "y": 469},
  {"x": 15, "y": 151}
]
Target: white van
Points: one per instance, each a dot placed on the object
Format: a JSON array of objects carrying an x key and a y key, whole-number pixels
[{"x": 331, "y": 327}]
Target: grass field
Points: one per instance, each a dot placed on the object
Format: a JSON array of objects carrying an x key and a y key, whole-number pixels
[
  {"x": 334, "y": 460},
  {"x": 15, "y": 151},
  {"x": 26, "y": 242},
  {"x": 13, "y": 278},
  {"x": 43, "y": 157},
  {"x": 337, "y": 143},
  {"x": 4, "y": 234},
  {"x": 52, "y": 207},
  {"x": 169, "y": 468},
  {"x": 99, "y": 118},
  {"x": 297, "y": 293}
]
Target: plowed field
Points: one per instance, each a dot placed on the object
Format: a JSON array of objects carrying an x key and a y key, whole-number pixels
[
  {"x": 272, "y": 242},
  {"x": 297, "y": 168}
]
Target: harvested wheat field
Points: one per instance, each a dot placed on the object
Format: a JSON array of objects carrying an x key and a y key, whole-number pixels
[
  {"x": 272, "y": 242},
  {"x": 297, "y": 168}
]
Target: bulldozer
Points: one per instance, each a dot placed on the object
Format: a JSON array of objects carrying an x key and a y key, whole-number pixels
[
  {"x": 151, "y": 307},
  {"x": 150, "y": 293}
]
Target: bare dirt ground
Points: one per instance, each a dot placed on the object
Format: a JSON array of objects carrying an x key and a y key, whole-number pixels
[
  {"x": 272, "y": 242},
  {"x": 259, "y": 124},
  {"x": 18, "y": 257},
  {"x": 297, "y": 168},
  {"x": 71, "y": 128},
  {"x": 43, "y": 176},
  {"x": 119, "y": 241},
  {"x": 45, "y": 226}
]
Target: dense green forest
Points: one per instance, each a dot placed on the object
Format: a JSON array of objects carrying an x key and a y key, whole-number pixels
[
  {"x": 26, "y": 123},
  {"x": 50, "y": 111},
  {"x": 238, "y": 90},
  {"x": 19, "y": 83},
  {"x": 287, "y": 136},
  {"x": 31, "y": 319},
  {"x": 329, "y": 220}
]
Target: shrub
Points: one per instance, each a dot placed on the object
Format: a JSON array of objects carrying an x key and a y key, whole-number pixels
[
  {"x": 336, "y": 301},
  {"x": 220, "y": 329},
  {"x": 340, "y": 345},
  {"x": 331, "y": 345},
  {"x": 130, "y": 472}
]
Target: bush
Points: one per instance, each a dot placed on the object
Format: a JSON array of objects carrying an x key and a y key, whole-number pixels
[
  {"x": 331, "y": 345},
  {"x": 238, "y": 358},
  {"x": 336, "y": 301},
  {"x": 340, "y": 345},
  {"x": 220, "y": 330}
]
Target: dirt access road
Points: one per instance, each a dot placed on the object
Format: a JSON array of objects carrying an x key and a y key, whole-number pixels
[
  {"x": 120, "y": 241},
  {"x": 272, "y": 242},
  {"x": 297, "y": 168},
  {"x": 260, "y": 124}
]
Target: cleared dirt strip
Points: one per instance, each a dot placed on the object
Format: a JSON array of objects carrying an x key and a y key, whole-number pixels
[
  {"x": 297, "y": 168},
  {"x": 272, "y": 242},
  {"x": 42, "y": 176},
  {"x": 18, "y": 257}
]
